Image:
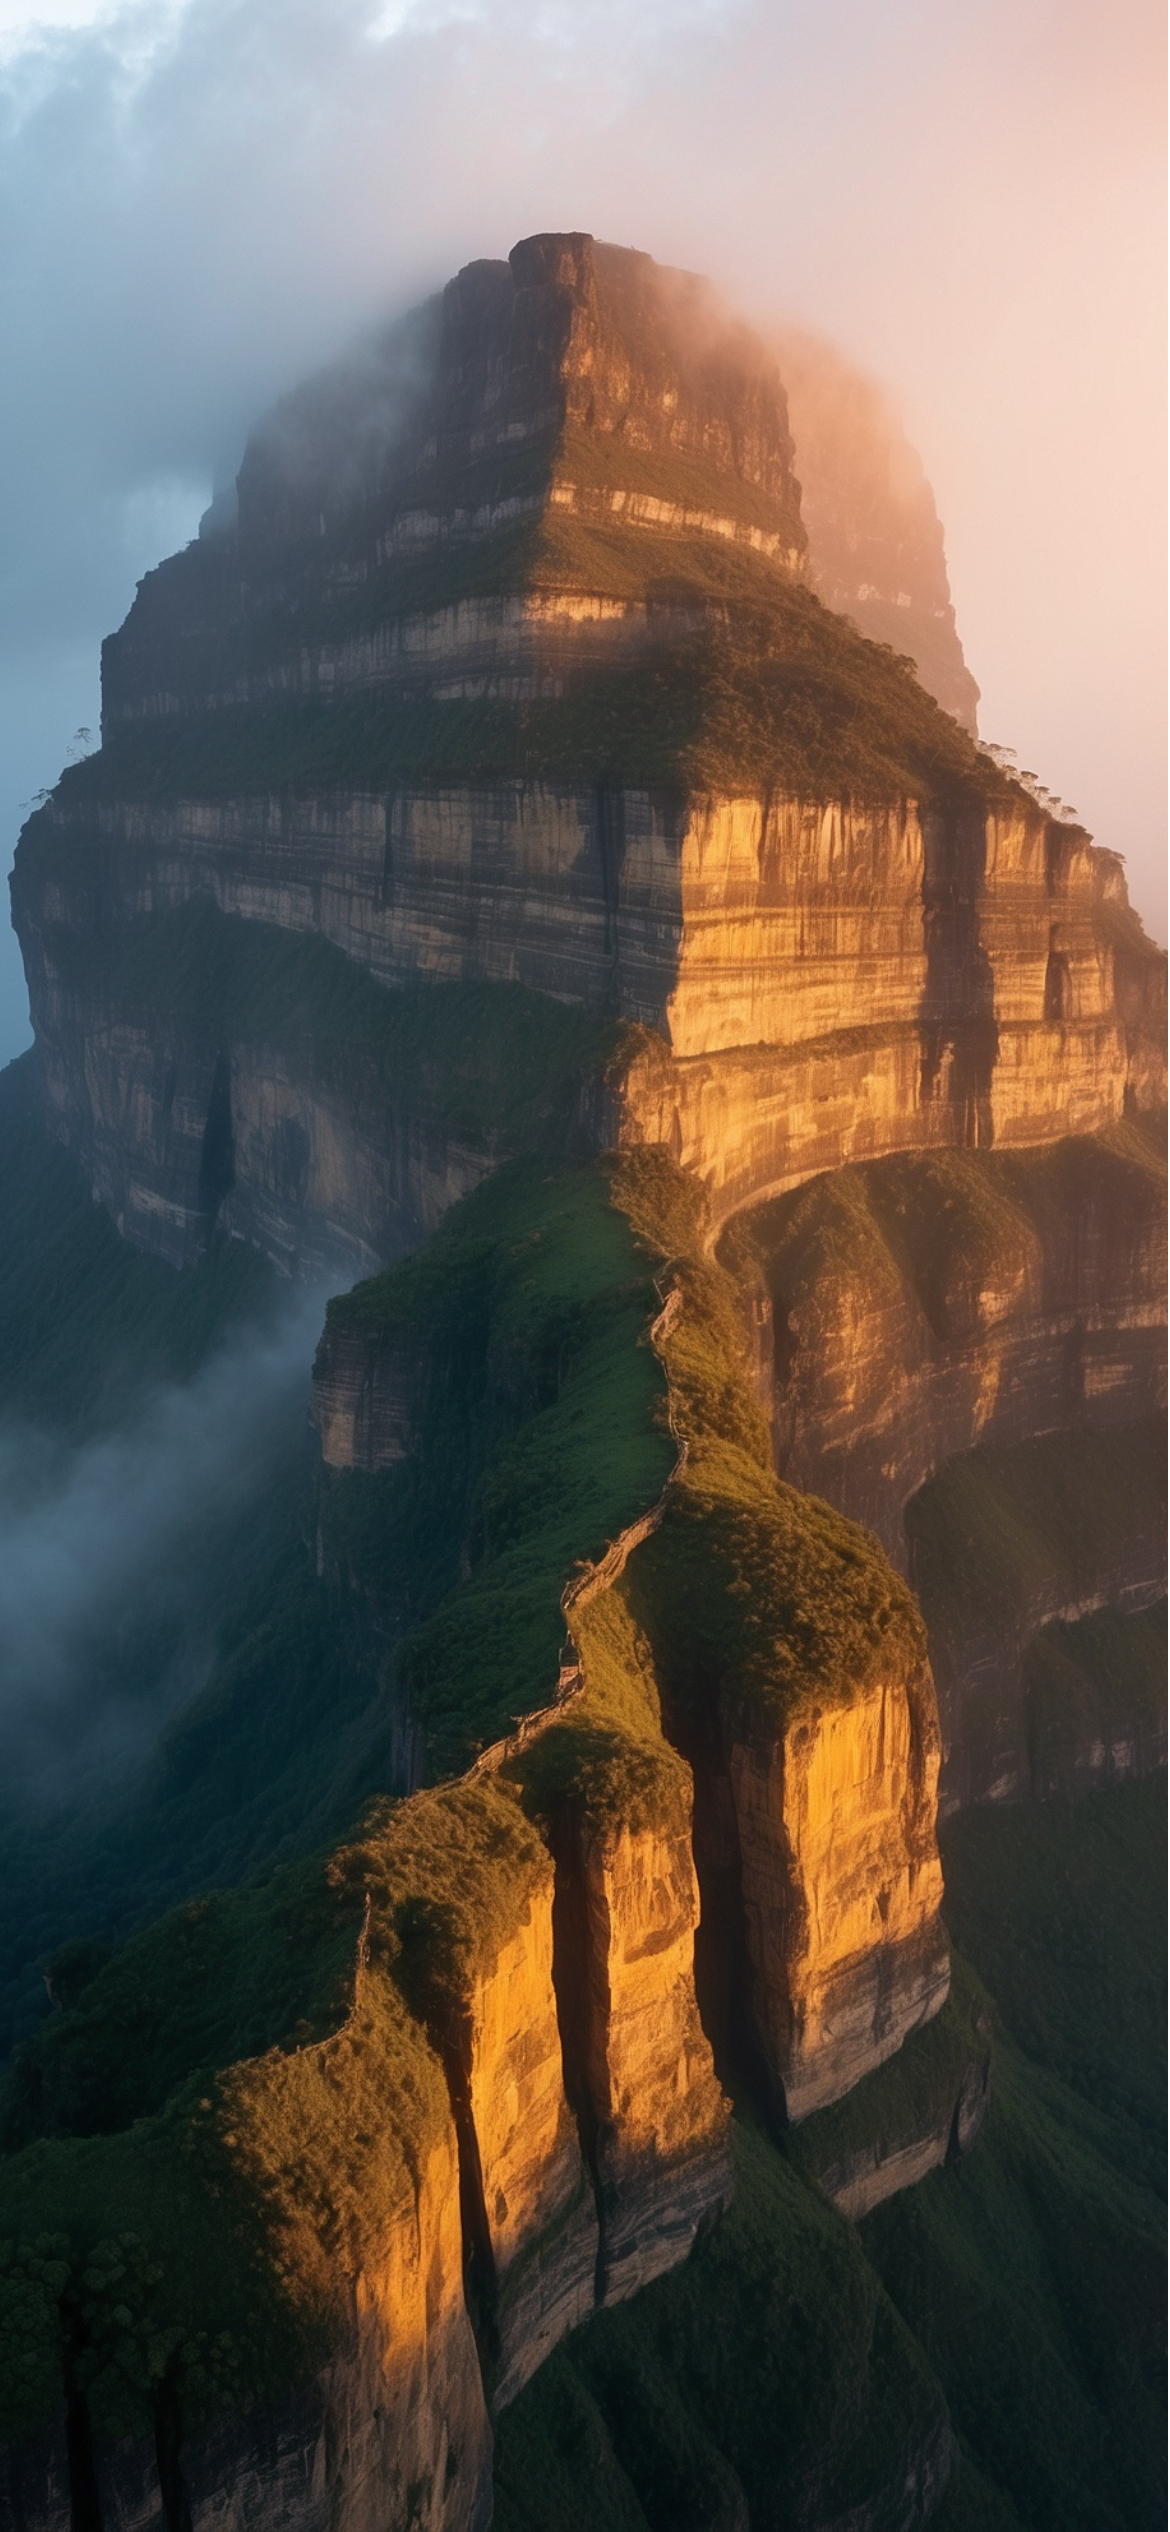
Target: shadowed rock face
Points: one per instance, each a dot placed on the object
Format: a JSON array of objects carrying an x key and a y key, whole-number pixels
[
  {"x": 908, "y": 1309},
  {"x": 875, "y": 538}
]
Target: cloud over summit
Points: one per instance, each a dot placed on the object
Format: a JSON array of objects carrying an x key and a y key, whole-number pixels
[{"x": 202, "y": 202}]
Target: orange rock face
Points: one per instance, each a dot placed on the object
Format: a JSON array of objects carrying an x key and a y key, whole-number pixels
[
  {"x": 842, "y": 1887},
  {"x": 655, "y": 2108},
  {"x": 535, "y": 2215},
  {"x": 408, "y": 2434}
]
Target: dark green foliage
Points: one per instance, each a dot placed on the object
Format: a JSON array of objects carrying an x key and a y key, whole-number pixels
[
  {"x": 1096, "y": 1685},
  {"x": 754, "y": 1596},
  {"x": 87, "y": 1325},
  {"x": 767, "y": 2378},
  {"x": 782, "y": 693},
  {"x": 1001, "y": 1522},
  {"x": 537, "y": 1442},
  {"x": 1032, "y": 2275},
  {"x": 224, "y": 1976},
  {"x": 1059, "y": 1907}
]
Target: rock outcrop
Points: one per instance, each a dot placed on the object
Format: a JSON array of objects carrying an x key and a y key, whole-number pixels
[
  {"x": 924, "y": 2108},
  {"x": 638, "y": 2058},
  {"x": 490, "y": 792},
  {"x": 903, "y": 1311},
  {"x": 841, "y": 1887}
]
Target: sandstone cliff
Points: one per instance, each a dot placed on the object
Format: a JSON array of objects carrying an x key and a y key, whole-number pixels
[
  {"x": 587, "y": 734},
  {"x": 901, "y": 1312}
]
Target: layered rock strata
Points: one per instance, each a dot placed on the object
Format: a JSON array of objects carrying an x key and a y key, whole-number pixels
[
  {"x": 924, "y": 2109},
  {"x": 841, "y": 1890},
  {"x": 794, "y": 960},
  {"x": 565, "y": 488},
  {"x": 641, "y": 2065},
  {"x": 908, "y": 1310}
]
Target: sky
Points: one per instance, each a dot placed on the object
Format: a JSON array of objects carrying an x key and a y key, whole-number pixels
[{"x": 200, "y": 200}]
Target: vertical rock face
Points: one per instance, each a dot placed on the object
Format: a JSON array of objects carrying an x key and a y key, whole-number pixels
[
  {"x": 407, "y": 2435},
  {"x": 904, "y": 1312},
  {"x": 531, "y": 2203},
  {"x": 1003, "y": 1541},
  {"x": 651, "y": 2103},
  {"x": 841, "y": 1889}
]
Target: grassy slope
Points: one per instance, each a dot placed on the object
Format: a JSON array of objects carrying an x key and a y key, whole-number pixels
[
  {"x": 776, "y": 691},
  {"x": 1033, "y": 2273},
  {"x": 649, "y": 2416}
]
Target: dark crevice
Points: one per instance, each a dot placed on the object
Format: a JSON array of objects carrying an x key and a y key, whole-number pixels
[
  {"x": 480, "y": 2284},
  {"x": 958, "y": 1033},
  {"x": 217, "y": 1160},
  {"x": 85, "y": 2511},
  {"x": 573, "y": 1986},
  {"x": 1057, "y": 987},
  {"x": 610, "y": 811},
  {"x": 168, "y": 2437},
  {"x": 723, "y": 1977}
]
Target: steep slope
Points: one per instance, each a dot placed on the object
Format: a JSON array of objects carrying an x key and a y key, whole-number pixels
[{"x": 499, "y": 871}]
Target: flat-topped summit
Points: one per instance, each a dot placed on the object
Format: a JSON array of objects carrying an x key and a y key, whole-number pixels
[{"x": 591, "y": 359}]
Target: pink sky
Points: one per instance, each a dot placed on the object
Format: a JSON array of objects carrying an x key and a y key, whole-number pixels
[{"x": 205, "y": 197}]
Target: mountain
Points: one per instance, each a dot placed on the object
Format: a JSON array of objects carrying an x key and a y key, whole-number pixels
[
  {"x": 876, "y": 548},
  {"x": 513, "y": 2007}
]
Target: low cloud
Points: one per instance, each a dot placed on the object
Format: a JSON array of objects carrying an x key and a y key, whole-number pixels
[{"x": 116, "y": 1556}]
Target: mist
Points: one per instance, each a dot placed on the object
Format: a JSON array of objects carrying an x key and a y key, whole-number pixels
[
  {"x": 119, "y": 1556},
  {"x": 204, "y": 200}
]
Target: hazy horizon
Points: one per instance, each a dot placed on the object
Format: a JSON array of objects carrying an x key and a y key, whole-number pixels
[{"x": 204, "y": 199}]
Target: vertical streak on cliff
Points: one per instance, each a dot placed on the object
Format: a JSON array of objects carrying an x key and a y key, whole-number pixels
[
  {"x": 217, "y": 1161},
  {"x": 453, "y": 2041},
  {"x": 960, "y": 1040},
  {"x": 572, "y": 1974},
  {"x": 610, "y": 817}
]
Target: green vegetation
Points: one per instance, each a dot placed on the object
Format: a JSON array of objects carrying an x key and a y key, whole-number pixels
[
  {"x": 1032, "y": 2276},
  {"x": 1058, "y": 1905},
  {"x": 781, "y": 694},
  {"x": 263, "y": 2099},
  {"x": 1028, "y": 2275},
  {"x": 538, "y": 1441},
  {"x": 754, "y": 1596},
  {"x": 253, "y": 2075},
  {"x": 1003, "y": 1522},
  {"x": 912, "y": 2097},
  {"x": 87, "y": 1325},
  {"x": 767, "y": 2379}
]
